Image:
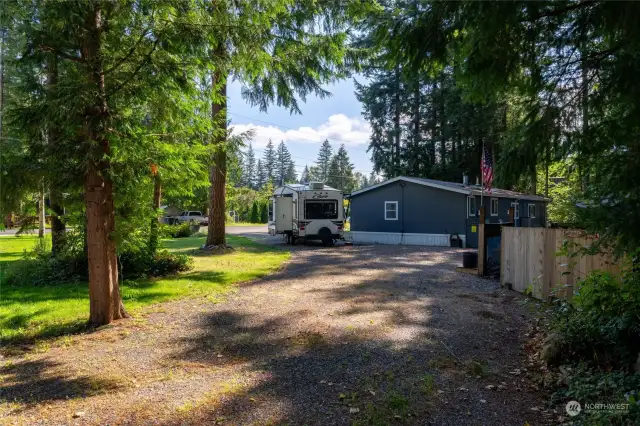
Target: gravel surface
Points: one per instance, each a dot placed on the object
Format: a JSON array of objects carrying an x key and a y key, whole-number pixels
[{"x": 341, "y": 335}]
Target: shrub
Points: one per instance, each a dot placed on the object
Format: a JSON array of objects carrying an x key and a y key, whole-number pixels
[
  {"x": 601, "y": 325},
  {"x": 597, "y": 338},
  {"x": 264, "y": 213},
  {"x": 40, "y": 267},
  {"x": 589, "y": 386},
  {"x": 254, "y": 217},
  {"x": 175, "y": 231},
  {"x": 136, "y": 264}
]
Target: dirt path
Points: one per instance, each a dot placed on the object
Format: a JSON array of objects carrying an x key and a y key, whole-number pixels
[{"x": 344, "y": 335}]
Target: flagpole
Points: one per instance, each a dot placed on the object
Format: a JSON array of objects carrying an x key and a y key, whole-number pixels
[{"x": 482, "y": 175}]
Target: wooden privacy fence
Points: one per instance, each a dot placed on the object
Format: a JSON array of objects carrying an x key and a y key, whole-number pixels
[{"x": 529, "y": 259}]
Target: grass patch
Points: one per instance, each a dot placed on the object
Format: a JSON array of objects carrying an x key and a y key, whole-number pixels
[
  {"x": 28, "y": 312},
  {"x": 245, "y": 224}
]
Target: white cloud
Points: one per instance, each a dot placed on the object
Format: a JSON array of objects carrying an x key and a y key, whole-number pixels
[{"x": 338, "y": 129}]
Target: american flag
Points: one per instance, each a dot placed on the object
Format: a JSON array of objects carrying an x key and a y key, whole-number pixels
[{"x": 486, "y": 165}]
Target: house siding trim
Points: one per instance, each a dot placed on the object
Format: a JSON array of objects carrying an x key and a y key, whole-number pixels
[{"x": 397, "y": 238}]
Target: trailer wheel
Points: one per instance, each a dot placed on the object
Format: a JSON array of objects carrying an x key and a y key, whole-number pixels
[{"x": 325, "y": 236}]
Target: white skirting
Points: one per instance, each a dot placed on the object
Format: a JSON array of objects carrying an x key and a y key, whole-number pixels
[{"x": 436, "y": 240}]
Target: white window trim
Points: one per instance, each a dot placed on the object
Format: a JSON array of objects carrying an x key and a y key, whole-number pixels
[
  {"x": 385, "y": 210},
  {"x": 497, "y": 208},
  {"x": 469, "y": 214},
  {"x": 529, "y": 210},
  {"x": 516, "y": 210}
]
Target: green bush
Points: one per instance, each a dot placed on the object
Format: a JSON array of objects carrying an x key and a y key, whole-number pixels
[
  {"x": 598, "y": 341},
  {"x": 601, "y": 325},
  {"x": 40, "y": 267},
  {"x": 254, "y": 217},
  {"x": 143, "y": 264},
  {"x": 590, "y": 386},
  {"x": 264, "y": 213},
  {"x": 175, "y": 231}
]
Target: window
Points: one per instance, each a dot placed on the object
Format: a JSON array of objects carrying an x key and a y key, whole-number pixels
[
  {"x": 321, "y": 209},
  {"x": 516, "y": 210},
  {"x": 195, "y": 214},
  {"x": 271, "y": 210},
  {"x": 295, "y": 209},
  {"x": 532, "y": 210},
  {"x": 471, "y": 204},
  {"x": 494, "y": 207},
  {"x": 390, "y": 210}
]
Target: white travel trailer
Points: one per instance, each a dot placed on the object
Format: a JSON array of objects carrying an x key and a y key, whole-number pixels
[{"x": 311, "y": 211}]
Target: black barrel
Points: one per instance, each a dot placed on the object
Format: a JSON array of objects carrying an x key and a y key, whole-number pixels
[{"x": 470, "y": 259}]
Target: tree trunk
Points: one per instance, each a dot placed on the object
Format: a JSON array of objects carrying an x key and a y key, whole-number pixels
[
  {"x": 58, "y": 228},
  {"x": 443, "y": 124},
  {"x": 104, "y": 292},
  {"x": 413, "y": 158},
  {"x": 2, "y": 38},
  {"x": 157, "y": 196},
  {"x": 218, "y": 171},
  {"x": 396, "y": 124},
  {"x": 41, "y": 211}
]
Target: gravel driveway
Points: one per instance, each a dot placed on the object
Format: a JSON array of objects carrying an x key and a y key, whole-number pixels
[{"x": 342, "y": 335}]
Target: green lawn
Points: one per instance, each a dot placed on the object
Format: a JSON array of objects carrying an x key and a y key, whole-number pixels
[
  {"x": 28, "y": 312},
  {"x": 245, "y": 224}
]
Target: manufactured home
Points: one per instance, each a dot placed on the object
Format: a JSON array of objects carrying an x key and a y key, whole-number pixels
[
  {"x": 416, "y": 211},
  {"x": 312, "y": 211}
]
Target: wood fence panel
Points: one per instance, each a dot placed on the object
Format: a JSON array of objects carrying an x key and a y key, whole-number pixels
[{"x": 530, "y": 259}]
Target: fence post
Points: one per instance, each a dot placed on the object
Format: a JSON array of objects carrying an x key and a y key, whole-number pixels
[{"x": 482, "y": 244}]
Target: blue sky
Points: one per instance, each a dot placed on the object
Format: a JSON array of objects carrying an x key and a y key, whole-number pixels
[{"x": 336, "y": 118}]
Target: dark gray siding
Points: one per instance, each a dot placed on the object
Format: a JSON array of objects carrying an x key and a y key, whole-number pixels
[
  {"x": 503, "y": 211},
  {"x": 421, "y": 210}
]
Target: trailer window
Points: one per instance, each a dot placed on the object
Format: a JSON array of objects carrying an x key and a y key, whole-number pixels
[
  {"x": 325, "y": 209},
  {"x": 270, "y": 210}
]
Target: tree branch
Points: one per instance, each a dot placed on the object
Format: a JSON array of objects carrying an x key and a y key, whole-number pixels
[
  {"x": 146, "y": 60},
  {"x": 122, "y": 60},
  {"x": 51, "y": 49}
]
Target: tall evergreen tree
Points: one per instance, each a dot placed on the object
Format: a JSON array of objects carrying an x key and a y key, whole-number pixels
[
  {"x": 324, "y": 159},
  {"x": 304, "y": 176},
  {"x": 282, "y": 166},
  {"x": 249, "y": 169},
  {"x": 278, "y": 50},
  {"x": 261, "y": 175},
  {"x": 291, "y": 175},
  {"x": 341, "y": 171},
  {"x": 269, "y": 162}
]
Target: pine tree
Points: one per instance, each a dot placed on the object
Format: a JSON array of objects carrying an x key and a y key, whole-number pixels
[
  {"x": 304, "y": 176},
  {"x": 323, "y": 161},
  {"x": 261, "y": 175},
  {"x": 341, "y": 171},
  {"x": 264, "y": 212},
  {"x": 291, "y": 176},
  {"x": 254, "y": 217},
  {"x": 249, "y": 170},
  {"x": 269, "y": 163},
  {"x": 283, "y": 162}
]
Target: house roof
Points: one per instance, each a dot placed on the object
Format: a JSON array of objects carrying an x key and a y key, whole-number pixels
[{"x": 456, "y": 187}]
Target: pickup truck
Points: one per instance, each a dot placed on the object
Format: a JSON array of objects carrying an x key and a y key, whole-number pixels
[{"x": 189, "y": 216}]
